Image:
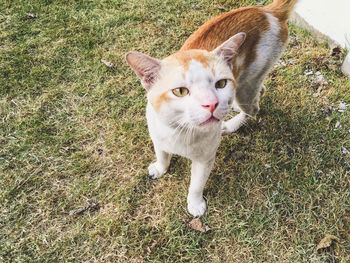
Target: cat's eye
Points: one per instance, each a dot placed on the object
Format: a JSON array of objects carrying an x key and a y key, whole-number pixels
[
  {"x": 221, "y": 84},
  {"x": 180, "y": 92}
]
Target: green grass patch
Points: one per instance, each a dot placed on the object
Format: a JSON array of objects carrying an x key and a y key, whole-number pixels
[{"x": 72, "y": 129}]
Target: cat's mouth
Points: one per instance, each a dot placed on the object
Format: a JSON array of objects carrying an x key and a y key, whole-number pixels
[{"x": 210, "y": 120}]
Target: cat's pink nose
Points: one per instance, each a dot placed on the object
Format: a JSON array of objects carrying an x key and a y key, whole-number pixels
[{"x": 210, "y": 105}]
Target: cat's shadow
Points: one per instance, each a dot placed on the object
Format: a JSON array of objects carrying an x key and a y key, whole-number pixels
[{"x": 243, "y": 157}]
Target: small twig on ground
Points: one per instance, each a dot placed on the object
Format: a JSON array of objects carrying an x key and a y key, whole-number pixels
[
  {"x": 91, "y": 206},
  {"x": 27, "y": 179}
]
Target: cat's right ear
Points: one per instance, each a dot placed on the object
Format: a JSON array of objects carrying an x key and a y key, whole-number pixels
[
  {"x": 146, "y": 67},
  {"x": 229, "y": 48}
]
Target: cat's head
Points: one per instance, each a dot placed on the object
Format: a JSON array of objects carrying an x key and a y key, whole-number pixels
[{"x": 193, "y": 88}]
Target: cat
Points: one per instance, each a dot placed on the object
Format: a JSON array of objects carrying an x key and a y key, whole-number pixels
[{"x": 189, "y": 93}]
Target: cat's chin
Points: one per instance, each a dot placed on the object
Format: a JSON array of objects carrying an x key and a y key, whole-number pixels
[
  {"x": 209, "y": 124},
  {"x": 211, "y": 120}
]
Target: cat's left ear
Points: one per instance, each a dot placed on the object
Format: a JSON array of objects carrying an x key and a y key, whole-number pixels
[
  {"x": 229, "y": 48},
  {"x": 145, "y": 67}
]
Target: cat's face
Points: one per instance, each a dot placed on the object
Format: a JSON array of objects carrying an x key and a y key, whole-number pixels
[{"x": 193, "y": 88}]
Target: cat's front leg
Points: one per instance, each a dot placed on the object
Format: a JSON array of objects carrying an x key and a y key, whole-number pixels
[
  {"x": 234, "y": 124},
  {"x": 240, "y": 119},
  {"x": 159, "y": 168},
  {"x": 200, "y": 171}
]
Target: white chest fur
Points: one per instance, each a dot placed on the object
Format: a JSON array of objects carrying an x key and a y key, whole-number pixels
[{"x": 195, "y": 145}]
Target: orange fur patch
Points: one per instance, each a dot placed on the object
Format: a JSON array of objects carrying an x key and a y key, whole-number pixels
[
  {"x": 281, "y": 8},
  {"x": 251, "y": 20},
  {"x": 158, "y": 100},
  {"x": 234, "y": 83},
  {"x": 284, "y": 32},
  {"x": 213, "y": 71},
  {"x": 186, "y": 56}
]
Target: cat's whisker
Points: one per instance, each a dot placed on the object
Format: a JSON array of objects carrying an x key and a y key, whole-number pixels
[
  {"x": 178, "y": 121},
  {"x": 189, "y": 134},
  {"x": 192, "y": 132},
  {"x": 177, "y": 131},
  {"x": 187, "y": 139},
  {"x": 175, "y": 121},
  {"x": 182, "y": 126}
]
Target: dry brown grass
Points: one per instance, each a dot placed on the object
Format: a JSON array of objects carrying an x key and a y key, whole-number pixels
[{"x": 74, "y": 130}]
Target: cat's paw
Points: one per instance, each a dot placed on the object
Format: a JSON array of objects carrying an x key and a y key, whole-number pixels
[
  {"x": 196, "y": 206},
  {"x": 227, "y": 127},
  {"x": 155, "y": 171},
  {"x": 224, "y": 128},
  {"x": 234, "y": 124}
]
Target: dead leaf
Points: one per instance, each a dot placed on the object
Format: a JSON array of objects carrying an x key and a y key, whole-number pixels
[
  {"x": 107, "y": 63},
  {"x": 91, "y": 206},
  {"x": 327, "y": 108},
  {"x": 337, "y": 52},
  {"x": 326, "y": 242},
  {"x": 237, "y": 155},
  {"x": 293, "y": 41},
  {"x": 30, "y": 15},
  {"x": 196, "y": 224},
  {"x": 186, "y": 218},
  {"x": 77, "y": 211}
]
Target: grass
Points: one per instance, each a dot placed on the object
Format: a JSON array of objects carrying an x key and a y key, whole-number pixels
[{"x": 73, "y": 129}]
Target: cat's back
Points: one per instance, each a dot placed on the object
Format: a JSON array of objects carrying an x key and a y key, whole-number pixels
[
  {"x": 255, "y": 21},
  {"x": 251, "y": 20}
]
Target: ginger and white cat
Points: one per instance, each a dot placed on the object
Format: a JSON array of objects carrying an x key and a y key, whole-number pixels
[{"x": 190, "y": 92}]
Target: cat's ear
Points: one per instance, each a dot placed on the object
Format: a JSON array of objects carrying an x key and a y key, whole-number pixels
[
  {"x": 229, "y": 48},
  {"x": 145, "y": 67}
]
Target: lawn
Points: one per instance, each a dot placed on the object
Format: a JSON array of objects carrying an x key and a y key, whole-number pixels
[{"x": 74, "y": 145}]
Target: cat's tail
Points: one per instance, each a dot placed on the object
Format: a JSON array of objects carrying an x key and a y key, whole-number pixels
[{"x": 281, "y": 8}]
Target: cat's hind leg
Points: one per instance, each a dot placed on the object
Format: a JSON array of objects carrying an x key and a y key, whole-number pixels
[{"x": 160, "y": 167}]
